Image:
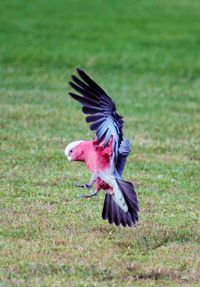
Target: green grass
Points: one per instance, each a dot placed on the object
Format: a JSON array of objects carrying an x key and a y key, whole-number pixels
[{"x": 145, "y": 54}]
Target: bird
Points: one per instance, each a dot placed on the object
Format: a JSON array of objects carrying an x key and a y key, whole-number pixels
[{"x": 105, "y": 156}]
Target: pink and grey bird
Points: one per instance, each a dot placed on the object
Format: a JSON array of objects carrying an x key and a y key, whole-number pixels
[{"x": 106, "y": 155}]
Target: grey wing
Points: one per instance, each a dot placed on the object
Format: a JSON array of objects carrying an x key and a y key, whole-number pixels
[
  {"x": 123, "y": 152},
  {"x": 100, "y": 110}
]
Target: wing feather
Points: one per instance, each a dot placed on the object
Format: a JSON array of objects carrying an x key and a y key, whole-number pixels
[{"x": 100, "y": 109}]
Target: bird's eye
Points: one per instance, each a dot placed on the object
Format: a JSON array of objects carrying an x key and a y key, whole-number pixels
[{"x": 70, "y": 151}]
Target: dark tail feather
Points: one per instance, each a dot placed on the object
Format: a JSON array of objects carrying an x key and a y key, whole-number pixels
[
  {"x": 111, "y": 211},
  {"x": 130, "y": 197},
  {"x": 114, "y": 214}
]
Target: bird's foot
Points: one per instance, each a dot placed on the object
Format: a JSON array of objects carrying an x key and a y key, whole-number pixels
[
  {"x": 86, "y": 186},
  {"x": 88, "y": 195}
]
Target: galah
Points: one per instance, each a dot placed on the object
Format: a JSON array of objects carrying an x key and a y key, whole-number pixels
[{"x": 106, "y": 155}]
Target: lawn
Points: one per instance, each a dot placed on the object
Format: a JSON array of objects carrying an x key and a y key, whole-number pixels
[{"x": 145, "y": 54}]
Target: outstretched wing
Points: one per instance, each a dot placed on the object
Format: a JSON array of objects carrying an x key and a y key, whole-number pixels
[{"x": 100, "y": 109}]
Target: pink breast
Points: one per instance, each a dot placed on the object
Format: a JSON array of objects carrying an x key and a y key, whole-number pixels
[{"x": 97, "y": 158}]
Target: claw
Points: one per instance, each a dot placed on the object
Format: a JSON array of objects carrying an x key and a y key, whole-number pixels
[
  {"x": 88, "y": 195},
  {"x": 78, "y": 185},
  {"x": 86, "y": 186},
  {"x": 83, "y": 196}
]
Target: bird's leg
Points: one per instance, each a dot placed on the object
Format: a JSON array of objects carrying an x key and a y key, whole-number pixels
[
  {"x": 89, "y": 195},
  {"x": 85, "y": 186},
  {"x": 89, "y": 184}
]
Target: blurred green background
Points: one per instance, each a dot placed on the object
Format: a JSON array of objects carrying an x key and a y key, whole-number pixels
[{"x": 145, "y": 54}]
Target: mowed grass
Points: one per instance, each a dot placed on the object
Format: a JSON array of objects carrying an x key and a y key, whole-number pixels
[{"x": 145, "y": 54}]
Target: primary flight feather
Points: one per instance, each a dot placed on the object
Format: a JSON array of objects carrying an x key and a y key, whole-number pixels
[{"x": 106, "y": 155}]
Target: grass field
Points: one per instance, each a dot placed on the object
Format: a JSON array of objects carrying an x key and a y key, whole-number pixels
[{"x": 145, "y": 54}]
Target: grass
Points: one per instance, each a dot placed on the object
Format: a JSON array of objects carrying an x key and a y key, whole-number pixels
[{"x": 145, "y": 54}]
